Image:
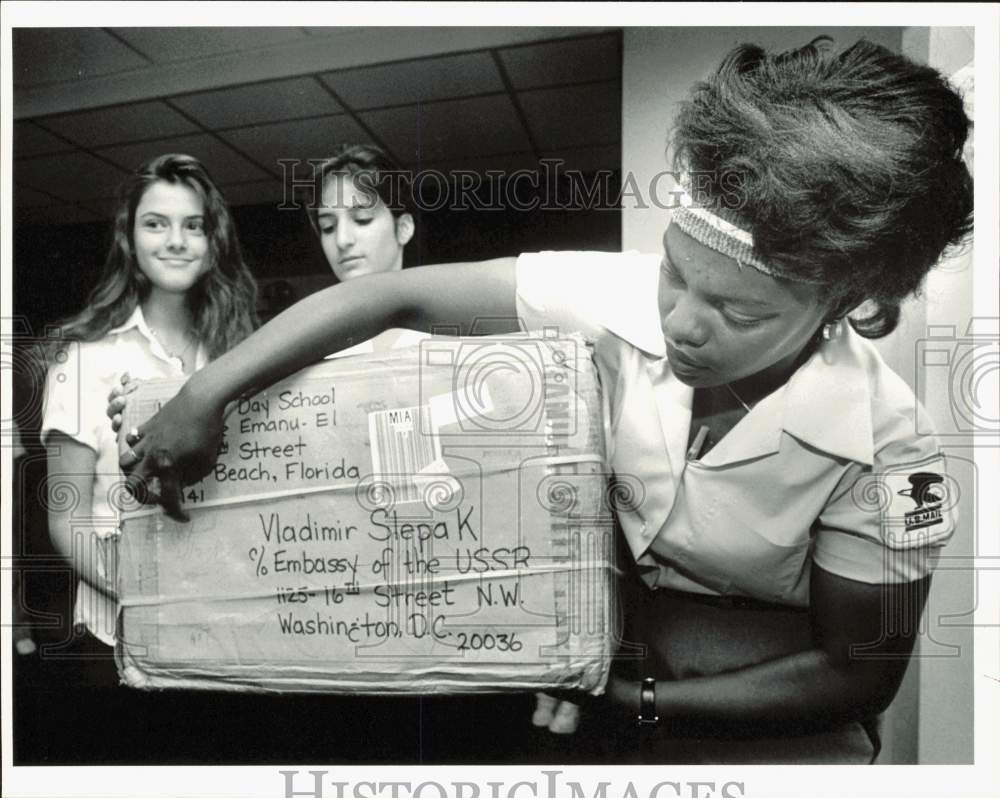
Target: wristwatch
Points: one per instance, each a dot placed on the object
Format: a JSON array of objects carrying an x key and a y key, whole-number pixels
[{"x": 647, "y": 703}]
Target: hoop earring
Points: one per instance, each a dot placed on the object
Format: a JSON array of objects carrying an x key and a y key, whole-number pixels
[{"x": 831, "y": 330}]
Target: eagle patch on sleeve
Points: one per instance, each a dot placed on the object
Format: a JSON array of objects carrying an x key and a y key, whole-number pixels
[{"x": 918, "y": 506}]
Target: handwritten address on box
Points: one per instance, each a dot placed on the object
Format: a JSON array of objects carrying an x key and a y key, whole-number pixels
[{"x": 344, "y": 541}]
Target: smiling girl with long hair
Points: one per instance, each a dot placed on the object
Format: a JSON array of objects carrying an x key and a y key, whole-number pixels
[{"x": 174, "y": 294}]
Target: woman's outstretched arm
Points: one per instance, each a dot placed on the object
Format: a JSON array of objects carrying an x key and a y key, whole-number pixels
[{"x": 179, "y": 443}]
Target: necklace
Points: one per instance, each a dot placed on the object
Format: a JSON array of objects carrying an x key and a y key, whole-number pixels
[
  {"x": 701, "y": 437},
  {"x": 737, "y": 397},
  {"x": 178, "y": 355}
]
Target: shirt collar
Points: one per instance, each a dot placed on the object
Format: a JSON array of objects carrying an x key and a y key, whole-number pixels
[
  {"x": 826, "y": 404},
  {"x": 828, "y": 401},
  {"x": 137, "y": 321}
]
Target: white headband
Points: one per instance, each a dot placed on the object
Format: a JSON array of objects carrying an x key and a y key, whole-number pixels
[{"x": 723, "y": 236}]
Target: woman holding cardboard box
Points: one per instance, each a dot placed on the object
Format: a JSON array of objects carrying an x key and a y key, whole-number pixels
[{"x": 820, "y": 188}]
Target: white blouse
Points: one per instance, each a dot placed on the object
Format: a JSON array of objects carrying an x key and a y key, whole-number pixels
[{"x": 76, "y": 398}]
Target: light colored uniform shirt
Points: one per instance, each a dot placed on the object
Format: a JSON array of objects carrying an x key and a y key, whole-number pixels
[
  {"x": 76, "y": 397},
  {"x": 396, "y": 338},
  {"x": 827, "y": 469}
]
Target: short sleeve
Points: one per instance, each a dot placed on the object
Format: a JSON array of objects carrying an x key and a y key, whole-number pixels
[
  {"x": 560, "y": 289},
  {"x": 590, "y": 293},
  {"x": 69, "y": 407},
  {"x": 886, "y": 523}
]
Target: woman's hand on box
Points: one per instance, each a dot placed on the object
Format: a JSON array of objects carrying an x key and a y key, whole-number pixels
[{"x": 174, "y": 448}]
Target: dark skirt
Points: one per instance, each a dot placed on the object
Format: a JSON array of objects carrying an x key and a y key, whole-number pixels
[{"x": 670, "y": 635}]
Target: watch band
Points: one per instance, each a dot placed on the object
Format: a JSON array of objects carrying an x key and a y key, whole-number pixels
[{"x": 647, "y": 703}]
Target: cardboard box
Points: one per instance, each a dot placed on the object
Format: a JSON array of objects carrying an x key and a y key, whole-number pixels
[{"x": 429, "y": 520}]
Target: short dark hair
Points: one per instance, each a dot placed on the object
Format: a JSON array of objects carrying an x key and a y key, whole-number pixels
[
  {"x": 373, "y": 170},
  {"x": 847, "y": 166}
]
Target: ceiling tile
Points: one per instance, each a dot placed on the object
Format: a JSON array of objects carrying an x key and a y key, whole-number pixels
[
  {"x": 303, "y": 139},
  {"x": 259, "y": 102},
  {"x": 574, "y": 116},
  {"x": 258, "y": 193},
  {"x": 181, "y": 44},
  {"x": 44, "y": 55},
  {"x": 70, "y": 176},
  {"x": 455, "y": 129},
  {"x": 119, "y": 124},
  {"x": 587, "y": 159},
  {"x": 25, "y": 197},
  {"x": 330, "y": 30},
  {"x": 566, "y": 61},
  {"x": 414, "y": 81},
  {"x": 506, "y": 163},
  {"x": 56, "y": 214},
  {"x": 29, "y": 139},
  {"x": 225, "y": 165},
  {"x": 105, "y": 207}
]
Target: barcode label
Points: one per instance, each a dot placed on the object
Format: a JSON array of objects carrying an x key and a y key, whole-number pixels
[{"x": 402, "y": 445}]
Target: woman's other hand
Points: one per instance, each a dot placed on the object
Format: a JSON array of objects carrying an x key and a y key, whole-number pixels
[
  {"x": 117, "y": 401},
  {"x": 557, "y": 715}
]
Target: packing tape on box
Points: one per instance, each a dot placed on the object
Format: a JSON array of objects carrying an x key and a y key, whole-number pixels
[{"x": 131, "y": 515}]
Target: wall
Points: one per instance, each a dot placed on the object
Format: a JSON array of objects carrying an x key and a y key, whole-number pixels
[
  {"x": 938, "y": 346},
  {"x": 660, "y": 65}
]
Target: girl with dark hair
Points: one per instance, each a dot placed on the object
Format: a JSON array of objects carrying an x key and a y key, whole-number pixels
[
  {"x": 174, "y": 294},
  {"x": 364, "y": 221},
  {"x": 364, "y": 218},
  {"x": 776, "y": 603}
]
